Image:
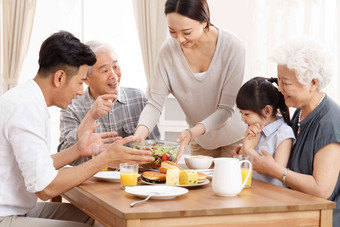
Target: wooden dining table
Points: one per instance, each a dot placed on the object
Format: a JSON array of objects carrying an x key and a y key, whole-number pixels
[{"x": 261, "y": 205}]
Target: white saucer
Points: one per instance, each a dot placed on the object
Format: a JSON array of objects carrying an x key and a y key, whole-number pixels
[
  {"x": 111, "y": 176},
  {"x": 161, "y": 192}
]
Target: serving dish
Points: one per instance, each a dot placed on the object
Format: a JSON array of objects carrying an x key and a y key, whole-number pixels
[{"x": 161, "y": 150}]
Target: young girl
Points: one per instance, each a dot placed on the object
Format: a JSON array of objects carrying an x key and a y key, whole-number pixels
[{"x": 261, "y": 105}]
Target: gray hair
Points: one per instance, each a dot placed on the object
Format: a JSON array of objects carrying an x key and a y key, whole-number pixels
[
  {"x": 97, "y": 47},
  {"x": 308, "y": 59}
]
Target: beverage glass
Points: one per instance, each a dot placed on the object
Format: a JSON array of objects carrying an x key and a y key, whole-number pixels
[
  {"x": 128, "y": 174},
  {"x": 245, "y": 168},
  {"x": 96, "y": 150}
]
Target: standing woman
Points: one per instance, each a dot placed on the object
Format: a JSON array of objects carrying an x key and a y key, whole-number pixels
[
  {"x": 313, "y": 166},
  {"x": 202, "y": 67}
]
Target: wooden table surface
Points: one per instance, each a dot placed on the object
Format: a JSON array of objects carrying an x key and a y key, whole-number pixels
[{"x": 261, "y": 205}]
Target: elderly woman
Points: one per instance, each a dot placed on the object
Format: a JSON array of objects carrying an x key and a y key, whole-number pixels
[{"x": 314, "y": 162}]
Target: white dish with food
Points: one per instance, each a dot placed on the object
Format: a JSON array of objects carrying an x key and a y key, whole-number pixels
[
  {"x": 111, "y": 176},
  {"x": 158, "y": 192},
  {"x": 199, "y": 184}
]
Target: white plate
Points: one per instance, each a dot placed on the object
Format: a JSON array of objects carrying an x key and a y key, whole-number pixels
[
  {"x": 112, "y": 176},
  {"x": 162, "y": 192},
  {"x": 200, "y": 183},
  {"x": 204, "y": 170}
]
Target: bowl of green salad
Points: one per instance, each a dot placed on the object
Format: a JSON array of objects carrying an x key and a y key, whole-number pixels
[{"x": 161, "y": 150}]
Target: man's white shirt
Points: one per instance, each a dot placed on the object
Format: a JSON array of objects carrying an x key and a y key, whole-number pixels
[{"x": 26, "y": 166}]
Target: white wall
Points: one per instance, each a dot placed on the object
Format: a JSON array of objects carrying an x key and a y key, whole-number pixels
[
  {"x": 263, "y": 25},
  {"x": 233, "y": 16}
]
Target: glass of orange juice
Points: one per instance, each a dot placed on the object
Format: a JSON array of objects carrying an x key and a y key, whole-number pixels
[
  {"x": 96, "y": 150},
  {"x": 245, "y": 168},
  {"x": 128, "y": 174}
]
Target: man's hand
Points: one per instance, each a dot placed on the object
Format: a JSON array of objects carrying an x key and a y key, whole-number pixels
[
  {"x": 90, "y": 138},
  {"x": 102, "y": 106},
  {"x": 117, "y": 153}
]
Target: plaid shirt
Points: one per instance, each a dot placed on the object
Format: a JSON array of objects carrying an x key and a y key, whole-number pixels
[{"x": 122, "y": 118}]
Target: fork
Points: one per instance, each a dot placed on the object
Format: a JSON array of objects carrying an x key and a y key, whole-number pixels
[{"x": 144, "y": 200}]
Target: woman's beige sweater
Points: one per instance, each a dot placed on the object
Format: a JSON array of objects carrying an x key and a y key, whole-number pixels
[{"x": 209, "y": 101}]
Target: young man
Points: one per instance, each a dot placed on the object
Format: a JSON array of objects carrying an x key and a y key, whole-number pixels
[
  {"x": 27, "y": 170},
  {"x": 96, "y": 104}
]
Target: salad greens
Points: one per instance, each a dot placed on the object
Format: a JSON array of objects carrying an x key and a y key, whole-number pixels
[{"x": 160, "y": 150}]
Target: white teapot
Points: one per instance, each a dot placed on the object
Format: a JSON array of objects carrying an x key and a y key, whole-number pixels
[{"x": 227, "y": 179}]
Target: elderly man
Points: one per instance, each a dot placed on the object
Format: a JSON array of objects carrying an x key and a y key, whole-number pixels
[
  {"x": 27, "y": 169},
  {"x": 104, "y": 103}
]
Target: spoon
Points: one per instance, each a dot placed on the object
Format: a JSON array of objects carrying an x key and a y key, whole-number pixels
[{"x": 146, "y": 199}]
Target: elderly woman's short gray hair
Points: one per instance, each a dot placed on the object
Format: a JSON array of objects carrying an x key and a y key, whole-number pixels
[
  {"x": 97, "y": 47},
  {"x": 308, "y": 59}
]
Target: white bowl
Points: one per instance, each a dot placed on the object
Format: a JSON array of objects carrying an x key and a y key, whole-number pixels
[{"x": 198, "y": 162}]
